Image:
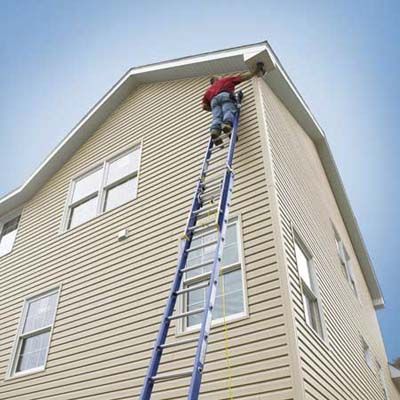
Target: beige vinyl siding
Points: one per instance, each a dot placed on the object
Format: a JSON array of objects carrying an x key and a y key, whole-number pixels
[
  {"x": 334, "y": 368},
  {"x": 114, "y": 292}
]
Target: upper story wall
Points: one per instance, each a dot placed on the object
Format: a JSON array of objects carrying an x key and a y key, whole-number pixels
[
  {"x": 333, "y": 368},
  {"x": 113, "y": 292}
]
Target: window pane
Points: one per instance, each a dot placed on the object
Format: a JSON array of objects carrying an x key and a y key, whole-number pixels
[
  {"x": 195, "y": 300},
  {"x": 33, "y": 352},
  {"x": 123, "y": 166},
  {"x": 307, "y": 309},
  {"x": 233, "y": 290},
  {"x": 312, "y": 312},
  {"x": 231, "y": 251},
  {"x": 230, "y": 254},
  {"x": 87, "y": 185},
  {"x": 8, "y": 234},
  {"x": 338, "y": 246},
  {"x": 302, "y": 265},
  {"x": 83, "y": 212},
  {"x": 120, "y": 194},
  {"x": 40, "y": 313},
  {"x": 202, "y": 255}
]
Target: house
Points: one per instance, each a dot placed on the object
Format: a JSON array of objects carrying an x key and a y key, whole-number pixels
[{"x": 89, "y": 247}]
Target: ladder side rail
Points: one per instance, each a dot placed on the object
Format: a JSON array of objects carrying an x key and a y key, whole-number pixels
[
  {"x": 212, "y": 290},
  {"x": 209, "y": 307},
  {"x": 169, "y": 309},
  {"x": 229, "y": 161}
]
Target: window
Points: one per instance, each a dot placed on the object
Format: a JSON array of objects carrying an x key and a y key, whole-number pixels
[
  {"x": 33, "y": 338},
  {"x": 383, "y": 382},
  {"x": 231, "y": 279},
  {"x": 106, "y": 187},
  {"x": 312, "y": 309},
  {"x": 8, "y": 233},
  {"x": 367, "y": 354},
  {"x": 345, "y": 263}
]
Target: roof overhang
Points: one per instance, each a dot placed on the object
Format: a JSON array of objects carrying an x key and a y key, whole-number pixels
[
  {"x": 395, "y": 373},
  {"x": 218, "y": 62}
]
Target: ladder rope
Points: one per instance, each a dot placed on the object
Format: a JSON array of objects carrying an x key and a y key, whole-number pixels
[{"x": 226, "y": 342}]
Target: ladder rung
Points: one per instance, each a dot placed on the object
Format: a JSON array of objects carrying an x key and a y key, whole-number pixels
[
  {"x": 209, "y": 197},
  {"x": 186, "y": 314},
  {"x": 207, "y": 192},
  {"x": 204, "y": 209},
  {"x": 193, "y": 267},
  {"x": 203, "y": 276},
  {"x": 178, "y": 343},
  {"x": 216, "y": 169},
  {"x": 194, "y": 287},
  {"x": 206, "y": 227},
  {"x": 216, "y": 159},
  {"x": 219, "y": 147},
  {"x": 202, "y": 246},
  {"x": 172, "y": 375},
  {"x": 212, "y": 182}
]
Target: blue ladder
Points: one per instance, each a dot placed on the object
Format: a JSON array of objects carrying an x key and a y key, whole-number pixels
[{"x": 199, "y": 212}]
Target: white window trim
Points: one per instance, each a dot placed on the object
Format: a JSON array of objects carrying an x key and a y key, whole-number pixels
[
  {"x": 345, "y": 261},
  {"x": 382, "y": 380},
  {"x": 101, "y": 192},
  {"x": 182, "y": 329},
  {"x": 314, "y": 291},
  {"x": 11, "y": 374},
  {"x": 369, "y": 361},
  {"x": 6, "y": 218}
]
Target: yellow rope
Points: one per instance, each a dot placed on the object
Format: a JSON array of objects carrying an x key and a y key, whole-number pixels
[{"x": 226, "y": 342}]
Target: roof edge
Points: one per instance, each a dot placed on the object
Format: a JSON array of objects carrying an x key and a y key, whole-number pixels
[{"x": 277, "y": 79}]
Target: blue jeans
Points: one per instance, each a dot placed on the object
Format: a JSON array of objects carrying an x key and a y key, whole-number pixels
[{"x": 223, "y": 110}]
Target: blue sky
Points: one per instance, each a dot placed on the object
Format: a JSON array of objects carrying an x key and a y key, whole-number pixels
[{"x": 57, "y": 58}]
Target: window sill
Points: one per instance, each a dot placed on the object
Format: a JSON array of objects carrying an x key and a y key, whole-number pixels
[
  {"x": 322, "y": 340},
  {"x": 218, "y": 323},
  {"x": 6, "y": 254},
  {"x": 96, "y": 218},
  {"x": 25, "y": 373}
]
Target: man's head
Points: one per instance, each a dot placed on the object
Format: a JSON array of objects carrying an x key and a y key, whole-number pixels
[{"x": 213, "y": 79}]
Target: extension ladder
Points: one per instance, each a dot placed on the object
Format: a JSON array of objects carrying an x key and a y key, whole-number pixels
[{"x": 203, "y": 207}]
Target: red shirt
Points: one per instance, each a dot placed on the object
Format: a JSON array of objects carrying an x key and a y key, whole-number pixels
[{"x": 221, "y": 85}]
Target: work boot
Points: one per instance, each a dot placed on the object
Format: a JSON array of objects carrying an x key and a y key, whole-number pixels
[
  {"x": 227, "y": 127},
  {"x": 215, "y": 136}
]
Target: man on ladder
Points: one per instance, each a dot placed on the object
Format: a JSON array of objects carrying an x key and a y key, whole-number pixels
[{"x": 220, "y": 100}]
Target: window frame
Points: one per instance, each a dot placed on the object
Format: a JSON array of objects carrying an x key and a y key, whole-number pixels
[
  {"x": 20, "y": 336},
  {"x": 345, "y": 262},
  {"x": 313, "y": 292},
  {"x": 103, "y": 188},
  {"x": 382, "y": 380},
  {"x": 182, "y": 327},
  {"x": 4, "y": 220},
  {"x": 367, "y": 354}
]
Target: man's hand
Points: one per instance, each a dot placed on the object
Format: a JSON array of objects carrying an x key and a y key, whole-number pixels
[{"x": 260, "y": 71}]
